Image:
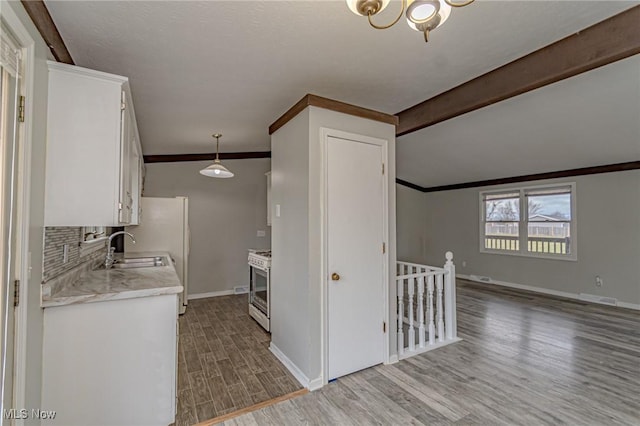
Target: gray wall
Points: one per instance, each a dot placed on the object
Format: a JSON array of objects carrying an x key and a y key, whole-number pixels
[
  {"x": 608, "y": 237},
  {"x": 412, "y": 221},
  {"x": 224, "y": 217}
]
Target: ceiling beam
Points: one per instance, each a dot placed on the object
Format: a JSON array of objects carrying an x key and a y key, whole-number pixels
[
  {"x": 608, "y": 41},
  {"x": 39, "y": 14},
  {"x": 333, "y": 105},
  {"x": 174, "y": 158},
  {"x": 608, "y": 168}
]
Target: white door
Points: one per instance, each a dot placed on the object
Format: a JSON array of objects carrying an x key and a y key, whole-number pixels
[
  {"x": 8, "y": 154},
  {"x": 355, "y": 259}
]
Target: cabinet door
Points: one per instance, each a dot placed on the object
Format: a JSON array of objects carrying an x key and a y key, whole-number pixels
[
  {"x": 136, "y": 187},
  {"x": 126, "y": 198}
]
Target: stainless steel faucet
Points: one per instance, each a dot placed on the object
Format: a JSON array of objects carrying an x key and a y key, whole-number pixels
[{"x": 109, "y": 260}]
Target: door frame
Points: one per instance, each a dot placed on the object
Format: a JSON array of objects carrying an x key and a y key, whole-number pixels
[
  {"x": 23, "y": 205},
  {"x": 325, "y": 133}
]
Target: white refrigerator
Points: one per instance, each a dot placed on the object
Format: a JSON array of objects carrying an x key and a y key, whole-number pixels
[{"x": 164, "y": 226}]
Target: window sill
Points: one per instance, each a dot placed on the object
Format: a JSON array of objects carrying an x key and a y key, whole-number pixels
[
  {"x": 91, "y": 246},
  {"x": 570, "y": 257}
]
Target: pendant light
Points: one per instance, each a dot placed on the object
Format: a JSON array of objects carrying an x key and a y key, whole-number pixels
[
  {"x": 422, "y": 15},
  {"x": 217, "y": 170}
]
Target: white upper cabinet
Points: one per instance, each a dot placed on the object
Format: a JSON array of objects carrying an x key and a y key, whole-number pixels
[{"x": 94, "y": 162}]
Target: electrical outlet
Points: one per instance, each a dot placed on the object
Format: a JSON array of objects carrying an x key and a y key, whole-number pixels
[
  {"x": 65, "y": 253},
  {"x": 262, "y": 233},
  {"x": 464, "y": 263},
  {"x": 599, "y": 282}
]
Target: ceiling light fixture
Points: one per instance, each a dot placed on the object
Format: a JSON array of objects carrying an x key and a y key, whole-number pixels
[
  {"x": 422, "y": 15},
  {"x": 217, "y": 170}
]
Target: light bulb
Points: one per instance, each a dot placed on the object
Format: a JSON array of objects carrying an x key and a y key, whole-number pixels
[{"x": 216, "y": 171}]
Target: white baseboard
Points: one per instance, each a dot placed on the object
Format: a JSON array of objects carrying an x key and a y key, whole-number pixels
[
  {"x": 210, "y": 294},
  {"x": 315, "y": 384},
  {"x": 635, "y": 306},
  {"x": 297, "y": 373},
  {"x": 546, "y": 291}
]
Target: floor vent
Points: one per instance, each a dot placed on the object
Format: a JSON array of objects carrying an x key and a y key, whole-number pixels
[
  {"x": 242, "y": 289},
  {"x": 480, "y": 278},
  {"x": 599, "y": 299}
]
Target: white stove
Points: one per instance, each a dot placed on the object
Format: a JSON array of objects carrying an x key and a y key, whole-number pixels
[
  {"x": 260, "y": 258},
  {"x": 259, "y": 286}
]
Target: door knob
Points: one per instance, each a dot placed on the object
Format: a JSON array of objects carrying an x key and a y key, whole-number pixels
[{"x": 335, "y": 277}]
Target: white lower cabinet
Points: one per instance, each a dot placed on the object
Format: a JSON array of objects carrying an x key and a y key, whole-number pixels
[{"x": 111, "y": 363}]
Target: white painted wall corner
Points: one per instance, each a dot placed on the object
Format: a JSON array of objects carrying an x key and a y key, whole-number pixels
[{"x": 297, "y": 373}]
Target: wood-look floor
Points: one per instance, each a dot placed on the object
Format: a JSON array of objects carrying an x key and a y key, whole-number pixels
[
  {"x": 224, "y": 362},
  {"x": 526, "y": 359}
]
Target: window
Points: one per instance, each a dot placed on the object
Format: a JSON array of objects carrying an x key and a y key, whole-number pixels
[
  {"x": 534, "y": 221},
  {"x": 92, "y": 233}
]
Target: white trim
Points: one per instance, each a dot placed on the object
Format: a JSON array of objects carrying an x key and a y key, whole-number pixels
[
  {"x": 315, "y": 384},
  {"x": 428, "y": 348},
  {"x": 393, "y": 359},
  {"x": 27, "y": 45},
  {"x": 74, "y": 69},
  {"x": 626, "y": 305},
  {"x": 548, "y": 291},
  {"x": 210, "y": 294},
  {"x": 293, "y": 369},
  {"x": 325, "y": 133}
]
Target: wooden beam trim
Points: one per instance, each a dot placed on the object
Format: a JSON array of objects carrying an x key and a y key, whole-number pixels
[
  {"x": 39, "y": 14},
  {"x": 174, "y": 158},
  {"x": 409, "y": 185},
  {"x": 608, "y": 41},
  {"x": 333, "y": 105},
  {"x": 584, "y": 171}
]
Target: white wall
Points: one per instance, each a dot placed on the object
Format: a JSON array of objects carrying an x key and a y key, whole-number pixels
[
  {"x": 35, "y": 129},
  {"x": 224, "y": 217},
  {"x": 608, "y": 237},
  {"x": 297, "y": 275},
  {"x": 319, "y": 118},
  {"x": 290, "y": 245}
]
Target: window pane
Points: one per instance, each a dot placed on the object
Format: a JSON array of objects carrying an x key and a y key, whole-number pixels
[
  {"x": 549, "y": 227},
  {"x": 549, "y": 208},
  {"x": 501, "y": 236},
  {"x": 502, "y": 210},
  {"x": 549, "y": 237}
]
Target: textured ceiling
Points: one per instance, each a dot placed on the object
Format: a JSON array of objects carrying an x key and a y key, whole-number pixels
[{"x": 236, "y": 66}]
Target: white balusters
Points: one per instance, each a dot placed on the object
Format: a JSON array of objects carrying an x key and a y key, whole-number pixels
[
  {"x": 412, "y": 333},
  {"x": 432, "y": 314},
  {"x": 421, "y": 311},
  {"x": 400, "y": 315},
  {"x": 450, "y": 321},
  {"x": 439, "y": 308},
  {"x": 431, "y": 324}
]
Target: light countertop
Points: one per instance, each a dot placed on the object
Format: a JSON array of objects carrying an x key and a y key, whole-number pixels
[{"x": 116, "y": 284}]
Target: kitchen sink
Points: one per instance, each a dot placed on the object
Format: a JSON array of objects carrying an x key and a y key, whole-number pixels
[{"x": 139, "y": 262}]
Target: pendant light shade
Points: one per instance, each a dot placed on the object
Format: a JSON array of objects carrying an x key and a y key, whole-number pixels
[{"x": 217, "y": 170}]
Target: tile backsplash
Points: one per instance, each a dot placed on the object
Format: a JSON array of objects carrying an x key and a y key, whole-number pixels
[{"x": 55, "y": 238}]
